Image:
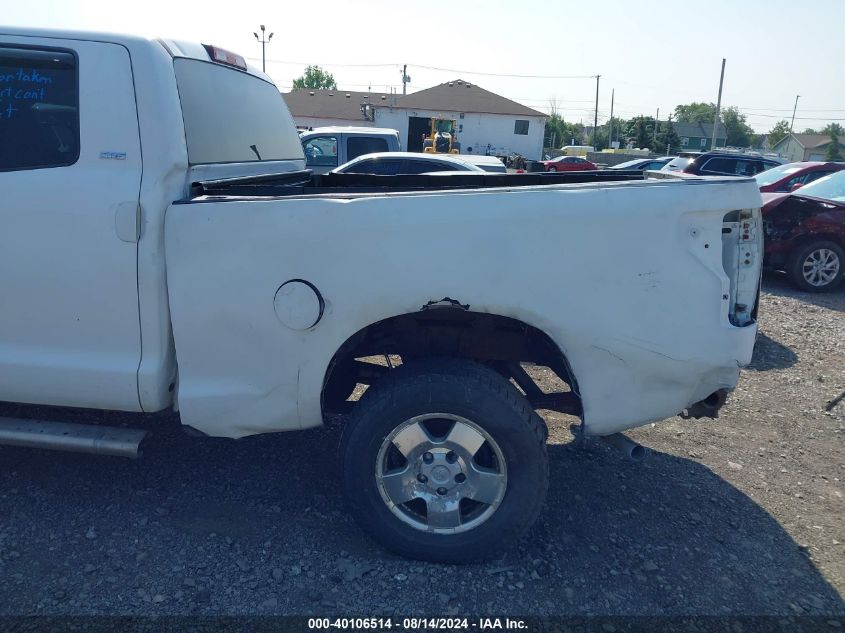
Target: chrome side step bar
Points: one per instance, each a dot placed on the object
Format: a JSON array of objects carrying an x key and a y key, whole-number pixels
[{"x": 79, "y": 438}]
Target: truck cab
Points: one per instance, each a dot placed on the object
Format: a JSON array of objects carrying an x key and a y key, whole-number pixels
[
  {"x": 326, "y": 148},
  {"x": 87, "y": 179}
]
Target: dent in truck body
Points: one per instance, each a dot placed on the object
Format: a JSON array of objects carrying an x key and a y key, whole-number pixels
[{"x": 372, "y": 258}]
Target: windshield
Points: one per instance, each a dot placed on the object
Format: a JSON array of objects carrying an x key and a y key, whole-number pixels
[
  {"x": 677, "y": 164},
  {"x": 830, "y": 188},
  {"x": 444, "y": 126},
  {"x": 776, "y": 173}
]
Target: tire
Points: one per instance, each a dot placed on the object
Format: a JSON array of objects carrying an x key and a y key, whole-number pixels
[
  {"x": 453, "y": 401},
  {"x": 817, "y": 266}
]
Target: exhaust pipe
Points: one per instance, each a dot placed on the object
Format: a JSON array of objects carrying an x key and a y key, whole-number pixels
[
  {"x": 628, "y": 446},
  {"x": 78, "y": 438}
]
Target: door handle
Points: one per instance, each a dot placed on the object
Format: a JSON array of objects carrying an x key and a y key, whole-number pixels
[{"x": 127, "y": 221}]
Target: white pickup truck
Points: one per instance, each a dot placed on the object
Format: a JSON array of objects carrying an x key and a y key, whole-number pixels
[{"x": 162, "y": 246}]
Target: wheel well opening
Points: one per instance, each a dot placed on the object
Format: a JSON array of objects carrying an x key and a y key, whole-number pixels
[{"x": 506, "y": 344}]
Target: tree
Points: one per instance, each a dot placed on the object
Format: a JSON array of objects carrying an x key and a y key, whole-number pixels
[
  {"x": 738, "y": 131},
  {"x": 640, "y": 131},
  {"x": 833, "y": 128},
  {"x": 558, "y": 132},
  {"x": 810, "y": 130},
  {"x": 779, "y": 132},
  {"x": 834, "y": 151},
  {"x": 618, "y": 131},
  {"x": 695, "y": 112},
  {"x": 667, "y": 137},
  {"x": 315, "y": 77}
]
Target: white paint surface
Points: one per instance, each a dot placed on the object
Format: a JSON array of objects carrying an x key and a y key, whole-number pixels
[{"x": 627, "y": 279}]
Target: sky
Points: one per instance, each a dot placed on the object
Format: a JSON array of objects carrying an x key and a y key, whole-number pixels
[{"x": 654, "y": 55}]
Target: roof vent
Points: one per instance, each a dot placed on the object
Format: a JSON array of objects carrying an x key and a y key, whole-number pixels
[
  {"x": 331, "y": 94},
  {"x": 347, "y": 95},
  {"x": 383, "y": 97},
  {"x": 460, "y": 83},
  {"x": 451, "y": 84},
  {"x": 311, "y": 93}
]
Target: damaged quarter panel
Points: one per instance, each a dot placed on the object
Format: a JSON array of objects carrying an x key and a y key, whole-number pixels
[
  {"x": 629, "y": 281},
  {"x": 789, "y": 219}
]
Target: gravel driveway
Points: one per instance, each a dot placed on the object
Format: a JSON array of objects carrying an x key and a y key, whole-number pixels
[{"x": 741, "y": 515}]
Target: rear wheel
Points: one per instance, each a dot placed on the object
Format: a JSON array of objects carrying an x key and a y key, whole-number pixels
[
  {"x": 817, "y": 266},
  {"x": 444, "y": 460}
]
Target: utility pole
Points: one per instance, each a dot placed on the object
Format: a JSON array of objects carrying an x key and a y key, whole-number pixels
[
  {"x": 610, "y": 131},
  {"x": 718, "y": 107},
  {"x": 596, "y": 119},
  {"x": 793, "y": 113},
  {"x": 668, "y": 129},
  {"x": 263, "y": 43},
  {"x": 405, "y": 79},
  {"x": 656, "y": 119}
]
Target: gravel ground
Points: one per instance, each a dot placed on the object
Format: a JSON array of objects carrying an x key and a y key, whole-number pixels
[{"x": 741, "y": 515}]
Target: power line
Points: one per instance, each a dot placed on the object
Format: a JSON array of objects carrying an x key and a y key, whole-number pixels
[
  {"x": 798, "y": 118},
  {"x": 785, "y": 109},
  {"x": 436, "y": 68},
  {"x": 292, "y": 63},
  {"x": 472, "y": 72}
]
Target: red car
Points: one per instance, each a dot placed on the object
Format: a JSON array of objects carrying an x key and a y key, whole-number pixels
[
  {"x": 788, "y": 178},
  {"x": 568, "y": 163},
  {"x": 805, "y": 233}
]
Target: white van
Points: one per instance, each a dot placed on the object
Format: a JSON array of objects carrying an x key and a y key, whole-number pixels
[{"x": 577, "y": 150}]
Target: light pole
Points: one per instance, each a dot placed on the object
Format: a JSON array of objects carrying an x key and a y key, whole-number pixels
[{"x": 263, "y": 43}]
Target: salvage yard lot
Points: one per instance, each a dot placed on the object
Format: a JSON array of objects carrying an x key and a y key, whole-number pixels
[{"x": 741, "y": 515}]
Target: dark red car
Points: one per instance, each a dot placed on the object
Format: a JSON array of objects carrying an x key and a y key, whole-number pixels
[
  {"x": 792, "y": 176},
  {"x": 805, "y": 233},
  {"x": 568, "y": 163}
]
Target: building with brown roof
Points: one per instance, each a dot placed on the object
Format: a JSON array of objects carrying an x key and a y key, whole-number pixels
[
  {"x": 318, "y": 108},
  {"x": 487, "y": 123}
]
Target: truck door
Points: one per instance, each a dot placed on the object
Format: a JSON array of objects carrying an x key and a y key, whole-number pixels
[{"x": 70, "y": 169}]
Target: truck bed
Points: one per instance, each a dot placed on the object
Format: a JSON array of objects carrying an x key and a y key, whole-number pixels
[{"x": 638, "y": 282}]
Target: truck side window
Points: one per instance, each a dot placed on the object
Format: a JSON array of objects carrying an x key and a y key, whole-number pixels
[
  {"x": 359, "y": 145},
  {"x": 39, "y": 108},
  {"x": 321, "y": 151}
]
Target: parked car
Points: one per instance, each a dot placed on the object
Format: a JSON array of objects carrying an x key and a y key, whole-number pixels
[
  {"x": 729, "y": 164},
  {"x": 487, "y": 163},
  {"x": 679, "y": 162},
  {"x": 805, "y": 233},
  {"x": 327, "y": 147},
  {"x": 792, "y": 176},
  {"x": 568, "y": 163},
  {"x": 644, "y": 164},
  {"x": 213, "y": 275},
  {"x": 394, "y": 163}
]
